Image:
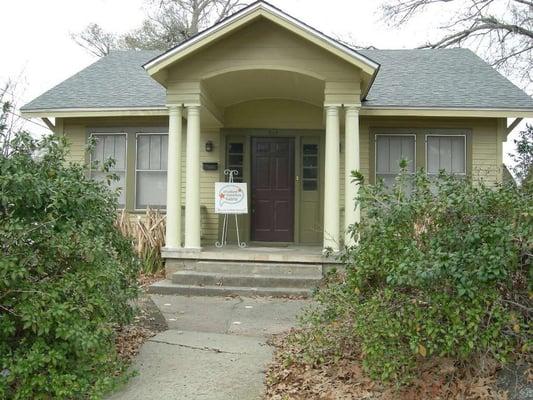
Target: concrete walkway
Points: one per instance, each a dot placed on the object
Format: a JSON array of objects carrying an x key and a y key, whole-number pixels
[{"x": 215, "y": 348}]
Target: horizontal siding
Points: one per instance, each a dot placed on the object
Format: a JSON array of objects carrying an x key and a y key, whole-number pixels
[
  {"x": 485, "y": 144},
  {"x": 265, "y": 45}
]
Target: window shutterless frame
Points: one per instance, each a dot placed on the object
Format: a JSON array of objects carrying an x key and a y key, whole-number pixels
[
  {"x": 413, "y": 135},
  {"x": 125, "y": 171},
  {"x": 445, "y": 135},
  {"x": 145, "y": 170}
]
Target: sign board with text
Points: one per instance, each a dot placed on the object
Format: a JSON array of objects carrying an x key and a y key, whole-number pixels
[{"x": 231, "y": 198}]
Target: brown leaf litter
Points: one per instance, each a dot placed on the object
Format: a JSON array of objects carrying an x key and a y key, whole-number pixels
[{"x": 438, "y": 378}]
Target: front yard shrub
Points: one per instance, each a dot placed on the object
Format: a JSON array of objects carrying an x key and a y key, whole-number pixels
[
  {"x": 67, "y": 275},
  {"x": 442, "y": 269}
]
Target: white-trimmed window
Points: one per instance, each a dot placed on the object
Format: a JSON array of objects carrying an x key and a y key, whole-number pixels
[
  {"x": 110, "y": 145},
  {"x": 151, "y": 171},
  {"x": 390, "y": 150},
  {"x": 446, "y": 152}
]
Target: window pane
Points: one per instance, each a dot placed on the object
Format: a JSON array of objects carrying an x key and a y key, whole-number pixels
[
  {"x": 447, "y": 153},
  {"x": 433, "y": 158},
  {"x": 164, "y": 152},
  {"x": 382, "y": 154},
  {"x": 152, "y": 152},
  {"x": 388, "y": 180},
  {"x": 235, "y": 148},
  {"x": 310, "y": 173},
  {"x": 114, "y": 185},
  {"x": 390, "y": 150},
  {"x": 109, "y": 146},
  {"x": 458, "y": 155},
  {"x": 98, "y": 152},
  {"x": 311, "y": 149},
  {"x": 310, "y": 185},
  {"x": 143, "y": 152},
  {"x": 155, "y": 152},
  {"x": 151, "y": 189},
  {"x": 310, "y": 161},
  {"x": 235, "y": 160},
  {"x": 120, "y": 152}
]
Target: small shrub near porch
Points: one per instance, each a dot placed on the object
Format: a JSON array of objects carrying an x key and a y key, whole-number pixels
[
  {"x": 67, "y": 276},
  {"x": 442, "y": 271}
]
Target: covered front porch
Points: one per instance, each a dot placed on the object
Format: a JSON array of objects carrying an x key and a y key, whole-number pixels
[
  {"x": 279, "y": 104},
  {"x": 295, "y": 178}
]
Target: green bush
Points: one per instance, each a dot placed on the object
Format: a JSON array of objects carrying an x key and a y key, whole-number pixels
[
  {"x": 67, "y": 275},
  {"x": 442, "y": 268}
]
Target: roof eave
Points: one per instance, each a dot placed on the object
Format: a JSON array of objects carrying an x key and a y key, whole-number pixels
[
  {"x": 457, "y": 112},
  {"x": 94, "y": 112}
]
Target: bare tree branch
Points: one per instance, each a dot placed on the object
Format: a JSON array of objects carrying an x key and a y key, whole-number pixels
[
  {"x": 500, "y": 30},
  {"x": 167, "y": 23},
  {"x": 95, "y": 40}
]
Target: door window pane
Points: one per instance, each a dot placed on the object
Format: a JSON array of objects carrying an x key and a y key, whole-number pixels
[
  {"x": 151, "y": 173},
  {"x": 235, "y": 160},
  {"x": 110, "y": 146},
  {"x": 390, "y": 150},
  {"x": 446, "y": 153},
  {"x": 310, "y": 167}
]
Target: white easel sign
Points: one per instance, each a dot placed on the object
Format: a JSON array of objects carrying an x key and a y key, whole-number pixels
[{"x": 231, "y": 198}]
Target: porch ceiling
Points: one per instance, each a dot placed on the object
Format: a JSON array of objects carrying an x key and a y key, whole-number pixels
[{"x": 241, "y": 86}]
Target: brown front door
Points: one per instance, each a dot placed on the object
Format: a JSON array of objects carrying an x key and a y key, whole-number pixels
[{"x": 273, "y": 189}]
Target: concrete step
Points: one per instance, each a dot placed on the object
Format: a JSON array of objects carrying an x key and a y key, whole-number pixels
[
  {"x": 241, "y": 280},
  {"x": 259, "y": 268},
  {"x": 167, "y": 287}
]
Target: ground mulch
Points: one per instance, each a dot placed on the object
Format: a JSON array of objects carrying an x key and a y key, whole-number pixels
[
  {"x": 148, "y": 322},
  {"x": 290, "y": 379}
]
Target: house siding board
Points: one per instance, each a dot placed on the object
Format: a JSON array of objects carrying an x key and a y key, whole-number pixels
[
  {"x": 77, "y": 131},
  {"x": 483, "y": 153},
  {"x": 485, "y": 162},
  {"x": 262, "y": 44}
]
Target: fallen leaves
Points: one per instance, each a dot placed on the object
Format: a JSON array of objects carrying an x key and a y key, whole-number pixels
[
  {"x": 290, "y": 378},
  {"x": 129, "y": 340}
]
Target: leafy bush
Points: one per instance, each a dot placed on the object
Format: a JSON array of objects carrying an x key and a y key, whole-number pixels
[
  {"x": 442, "y": 268},
  {"x": 67, "y": 275}
]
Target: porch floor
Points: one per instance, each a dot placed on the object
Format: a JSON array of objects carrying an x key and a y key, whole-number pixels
[{"x": 254, "y": 253}]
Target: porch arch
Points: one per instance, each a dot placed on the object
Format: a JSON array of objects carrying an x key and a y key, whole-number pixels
[{"x": 240, "y": 85}]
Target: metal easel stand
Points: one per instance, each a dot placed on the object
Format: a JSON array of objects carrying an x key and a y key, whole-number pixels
[{"x": 224, "y": 240}]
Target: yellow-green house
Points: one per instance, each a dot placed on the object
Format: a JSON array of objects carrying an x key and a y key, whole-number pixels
[{"x": 289, "y": 108}]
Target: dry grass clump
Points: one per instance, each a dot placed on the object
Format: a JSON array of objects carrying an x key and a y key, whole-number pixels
[{"x": 148, "y": 234}]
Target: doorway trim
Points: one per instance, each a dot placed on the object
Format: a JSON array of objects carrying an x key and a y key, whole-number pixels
[{"x": 244, "y": 135}]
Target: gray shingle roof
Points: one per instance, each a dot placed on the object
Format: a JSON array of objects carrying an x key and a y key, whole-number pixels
[
  {"x": 440, "y": 78},
  {"x": 115, "y": 81},
  {"x": 447, "y": 78}
]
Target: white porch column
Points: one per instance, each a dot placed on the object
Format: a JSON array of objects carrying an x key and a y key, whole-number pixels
[
  {"x": 173, "y": 231},
  {"x": 331, "y": 184},
  {"x": 351, "y": 163},
  {"x": 192, "y": 188}
]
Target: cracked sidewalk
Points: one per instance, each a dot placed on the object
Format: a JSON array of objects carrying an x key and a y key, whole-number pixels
[{"x": 215, "y": 348}]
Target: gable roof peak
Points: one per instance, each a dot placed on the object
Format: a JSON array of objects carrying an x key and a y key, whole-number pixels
[{"x": 244, "y": 16}]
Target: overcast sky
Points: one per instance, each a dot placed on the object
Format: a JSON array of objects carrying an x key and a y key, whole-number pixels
[{"x": 38, "y": 52}]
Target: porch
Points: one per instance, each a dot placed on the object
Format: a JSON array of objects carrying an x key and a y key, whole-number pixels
[{"x": 272, "y": 95}]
